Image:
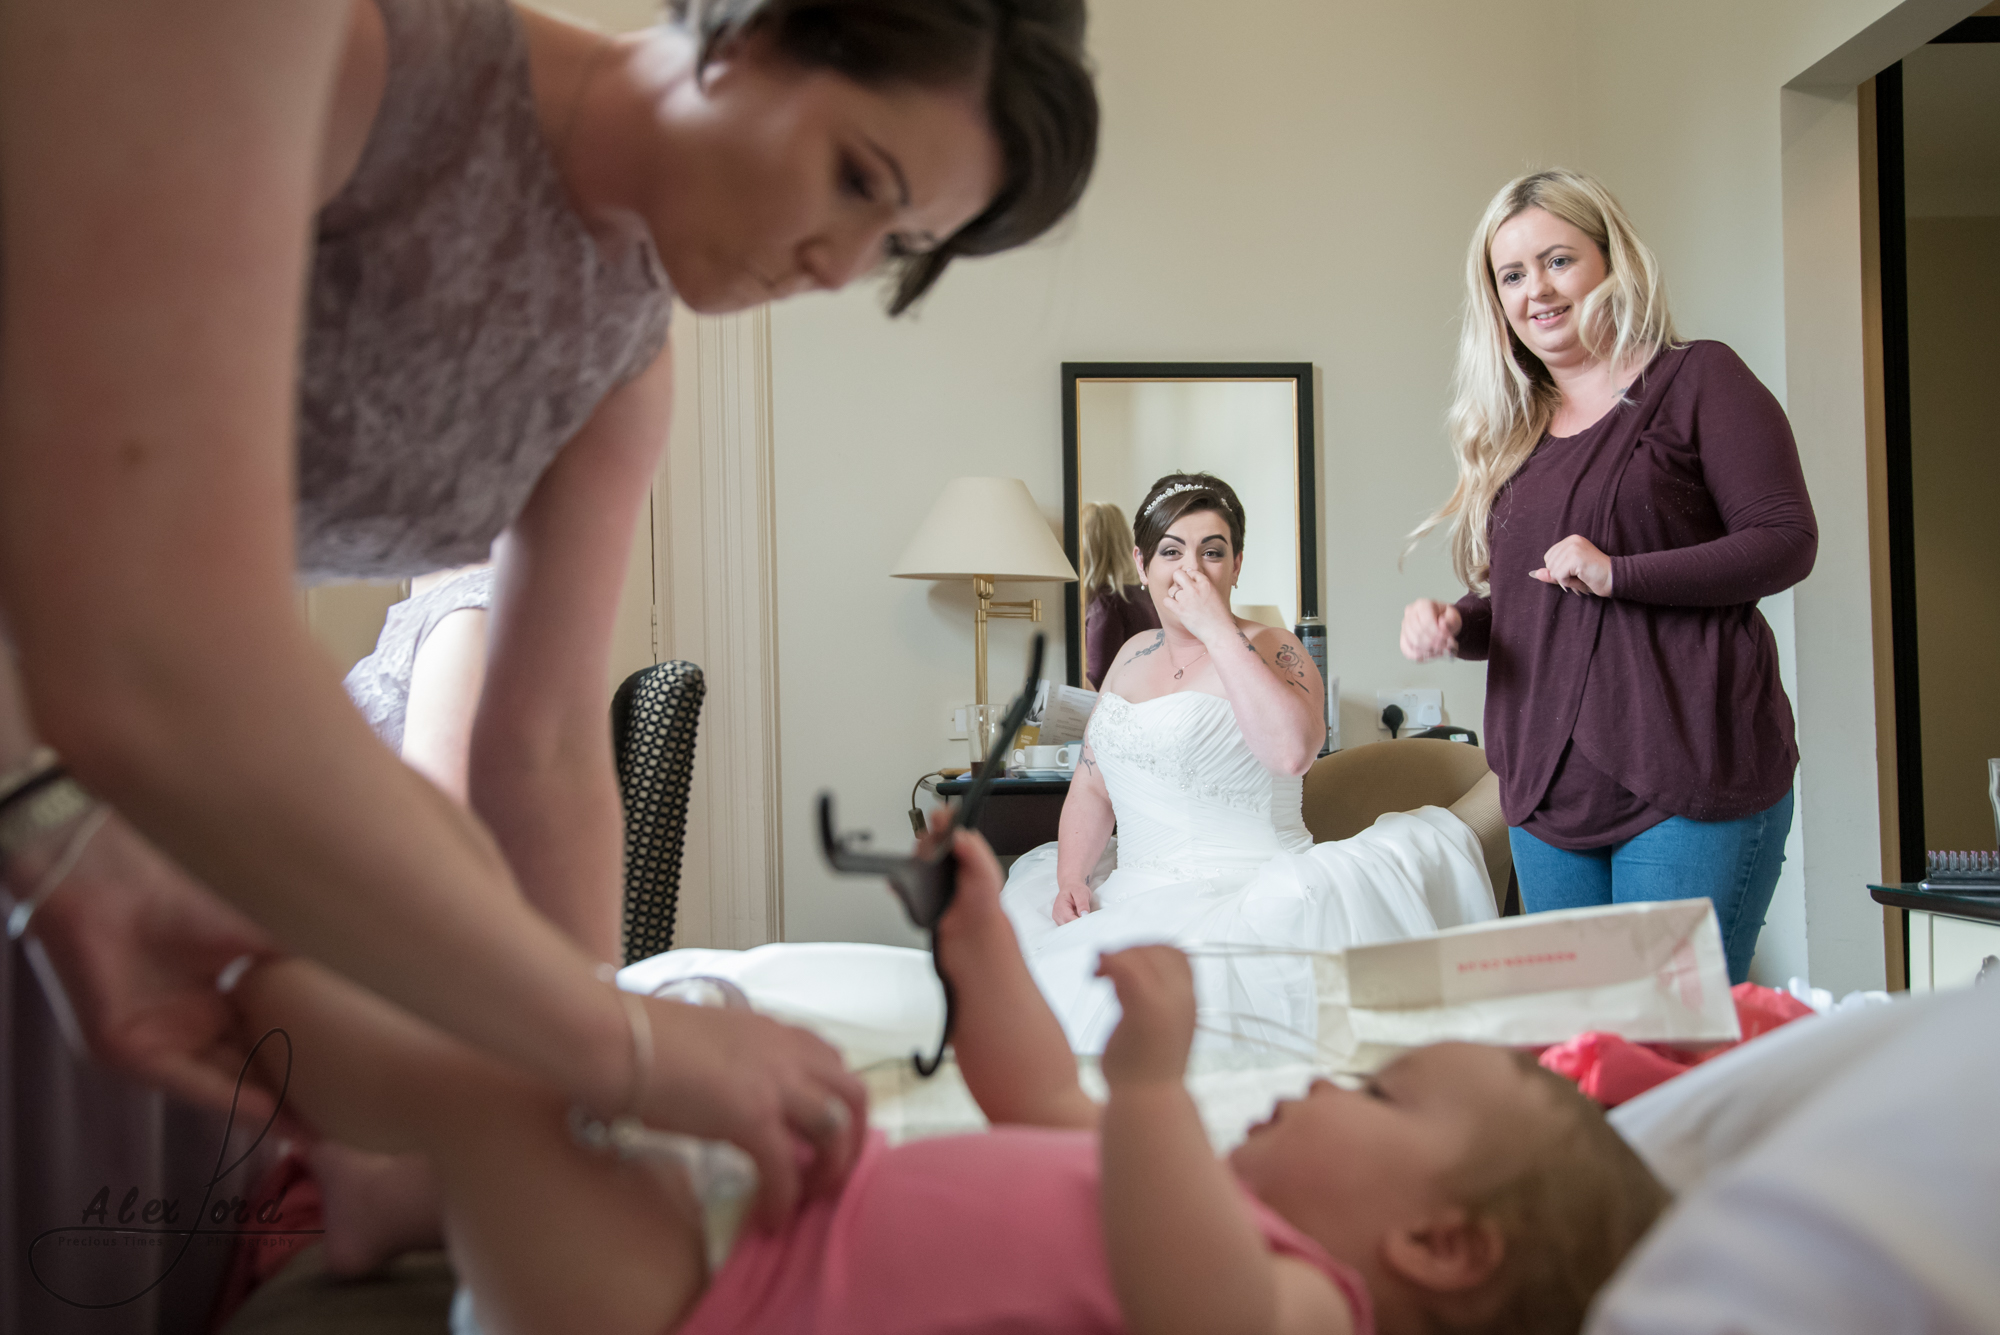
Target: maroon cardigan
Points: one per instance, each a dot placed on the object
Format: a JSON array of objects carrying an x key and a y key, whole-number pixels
[
  {"x": 1113, "y": 617},
  {"x": 1670, "y": 686}
]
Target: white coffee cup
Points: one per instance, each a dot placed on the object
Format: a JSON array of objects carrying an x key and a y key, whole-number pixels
[{"x": 1048, "y": 757}]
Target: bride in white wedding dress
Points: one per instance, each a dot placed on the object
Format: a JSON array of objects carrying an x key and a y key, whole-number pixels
[{"x": 1195, "y": 753}]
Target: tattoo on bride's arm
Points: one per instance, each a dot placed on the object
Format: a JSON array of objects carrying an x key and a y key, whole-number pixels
[
  {"x": 1291, "y": 667},
  {"x": 1158, "y": 640},
  {"x": 1087, "y": 759},
  {"x": 1246, "y": 641}
]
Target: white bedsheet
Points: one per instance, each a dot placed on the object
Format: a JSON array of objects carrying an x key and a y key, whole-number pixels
[{"x": 878, "y": 1004}]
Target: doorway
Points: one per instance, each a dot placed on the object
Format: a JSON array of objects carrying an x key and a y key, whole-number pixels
[{"x": 1937, "y": 122}]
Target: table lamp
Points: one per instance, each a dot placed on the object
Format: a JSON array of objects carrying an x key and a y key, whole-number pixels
[{"x": 986, "y": 529}]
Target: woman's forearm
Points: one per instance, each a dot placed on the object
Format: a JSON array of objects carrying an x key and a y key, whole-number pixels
[
  {"x": 560, "y": 824},
  {"x": 1475, "y": 629},
  {"x": 1737, "y": 568},
  {"x": 1086, "y": 823},
  {"x": 352, "y": 859},
  {"x": 542, "y": 773}
]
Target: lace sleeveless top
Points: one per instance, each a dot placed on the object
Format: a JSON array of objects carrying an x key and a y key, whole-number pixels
[
  {"x": 379, "y": 684},
  {"x": 462, "y": 324},
  {"x": 1191, "y": 797}
]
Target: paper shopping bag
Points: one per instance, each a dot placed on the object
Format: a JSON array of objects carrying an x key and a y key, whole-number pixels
[{"x": 1652, "y": 973}]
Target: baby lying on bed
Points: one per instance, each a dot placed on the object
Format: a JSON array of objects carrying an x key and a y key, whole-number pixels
[{"x": 1463, "y": 1189}]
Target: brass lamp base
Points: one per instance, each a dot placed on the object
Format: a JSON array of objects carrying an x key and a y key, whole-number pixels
[{"x": 982, "y": 587}]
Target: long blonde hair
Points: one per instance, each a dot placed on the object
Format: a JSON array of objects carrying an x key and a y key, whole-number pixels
[
  {"x": 1503, "y": 396},
  {"x": 1107, "y": 550}
]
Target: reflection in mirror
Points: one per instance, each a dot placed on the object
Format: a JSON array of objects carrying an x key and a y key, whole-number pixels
[{"x": 1126, "y": 430}]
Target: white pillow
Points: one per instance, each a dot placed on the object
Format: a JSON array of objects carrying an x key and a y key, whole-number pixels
[
  {"x": 1720, "y": 1110},
  {"x": 1872, "y": 1206}
]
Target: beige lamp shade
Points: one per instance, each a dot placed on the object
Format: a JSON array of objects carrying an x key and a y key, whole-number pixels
[{"x": 984, "y": 527}]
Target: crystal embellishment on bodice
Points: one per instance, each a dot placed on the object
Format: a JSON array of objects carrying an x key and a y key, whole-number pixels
[{"x": 1178, "y": 755}]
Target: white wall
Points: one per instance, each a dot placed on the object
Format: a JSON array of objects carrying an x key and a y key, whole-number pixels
[{"x": 1130, "y": 435}]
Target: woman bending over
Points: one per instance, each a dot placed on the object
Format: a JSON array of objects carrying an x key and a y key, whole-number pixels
[{"x": 359, "y": 288}]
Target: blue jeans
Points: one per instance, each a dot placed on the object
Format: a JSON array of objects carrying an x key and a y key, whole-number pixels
[{"x": 1731, "y": 862}]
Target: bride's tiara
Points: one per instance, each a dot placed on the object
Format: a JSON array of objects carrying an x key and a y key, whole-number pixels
[{"x": 1174, "y": 490}]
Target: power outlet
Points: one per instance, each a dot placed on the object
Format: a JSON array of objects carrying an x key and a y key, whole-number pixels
[
  {"x": 955, "y": 729},
  {"x": 1421, "y": 709}
]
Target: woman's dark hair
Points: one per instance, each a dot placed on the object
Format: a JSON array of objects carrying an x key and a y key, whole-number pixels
[
  {"x": 1177, "y": 494},
  {"x": 1028, "y": 53}
]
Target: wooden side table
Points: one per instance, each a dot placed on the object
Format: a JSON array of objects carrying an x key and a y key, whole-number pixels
[
  {"x": 1953, "y": 939},
  {"x": 1019, "y": 814}
]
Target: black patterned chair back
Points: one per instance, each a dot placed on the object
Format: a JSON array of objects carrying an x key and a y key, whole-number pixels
[{"x": 653, "y": 719}]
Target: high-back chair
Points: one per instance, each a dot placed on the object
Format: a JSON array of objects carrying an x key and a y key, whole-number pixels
[
  {"x": 654, "y": 715},
  {"x": 1347, "y": 791}
]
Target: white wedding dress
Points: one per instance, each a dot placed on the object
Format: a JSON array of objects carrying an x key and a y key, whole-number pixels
[{"x": 1211, "y": 854}]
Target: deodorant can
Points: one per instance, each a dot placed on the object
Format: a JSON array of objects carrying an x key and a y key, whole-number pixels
[{"x": 1312, "y": 634}]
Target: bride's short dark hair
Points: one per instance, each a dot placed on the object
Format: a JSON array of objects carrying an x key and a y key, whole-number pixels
[{"x": 1177, "y": 494}]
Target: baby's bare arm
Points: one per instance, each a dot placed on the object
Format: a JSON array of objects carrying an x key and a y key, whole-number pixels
[
  {"x": 1010, "y": 1048},
  {"x": 1185, "y": 1255}
]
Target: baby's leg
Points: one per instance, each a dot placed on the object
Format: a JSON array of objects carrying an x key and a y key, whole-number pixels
[
  {"x": 550, "y": 1237},
  {"x": 375, "y": 1206},
  {"x": 1009, "y": 1045}
]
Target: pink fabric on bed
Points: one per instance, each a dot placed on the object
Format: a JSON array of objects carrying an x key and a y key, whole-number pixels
[
  {"x": 1612, "y": 1070},
  {"x": 997, "y": 1232}
]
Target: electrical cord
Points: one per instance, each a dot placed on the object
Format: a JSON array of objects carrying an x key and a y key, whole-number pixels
[{"x": 916, "y": 814}]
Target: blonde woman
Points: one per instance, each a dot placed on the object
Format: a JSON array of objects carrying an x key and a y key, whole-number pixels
[
  {"x": 1623, "y": 501},
  {"x": 1116, "y": 605}
]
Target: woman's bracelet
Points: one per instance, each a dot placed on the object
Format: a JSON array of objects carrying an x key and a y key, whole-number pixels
[
  {"x": 23, "y": 911},
  {"x": 38, "y": 797},
  {"x": 641, "y": 1025}
]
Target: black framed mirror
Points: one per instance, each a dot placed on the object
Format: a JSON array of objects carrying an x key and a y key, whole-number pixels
[{"x": 1250, "y": 423}]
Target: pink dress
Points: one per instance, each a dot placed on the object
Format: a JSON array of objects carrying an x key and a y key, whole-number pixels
[{"x": 962, "y": 1235}]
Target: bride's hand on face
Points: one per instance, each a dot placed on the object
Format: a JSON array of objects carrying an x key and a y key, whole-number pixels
[
  {"x": 1072, "y": 902},
  {"x": 1201, "y": 605}
]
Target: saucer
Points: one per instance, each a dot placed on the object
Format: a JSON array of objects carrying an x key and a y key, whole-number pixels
[{"x": 1046, "y": 774}]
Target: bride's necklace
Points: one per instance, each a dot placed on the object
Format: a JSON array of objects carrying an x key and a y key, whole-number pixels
[{"x": 1190, "y": 663}]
